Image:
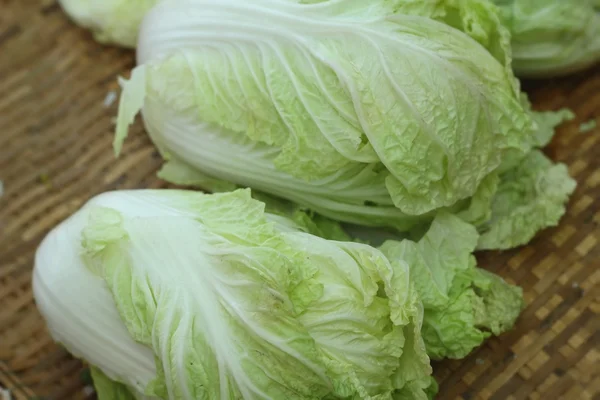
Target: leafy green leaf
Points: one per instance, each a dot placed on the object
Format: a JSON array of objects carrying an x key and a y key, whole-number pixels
[
  {"x": 530, "y": 197},
  {"x": 107, "y": 389},
  {"x": 463, "y": 304}
]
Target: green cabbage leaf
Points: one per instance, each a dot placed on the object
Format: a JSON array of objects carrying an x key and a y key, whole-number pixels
[{"x": 463, "y": 304}]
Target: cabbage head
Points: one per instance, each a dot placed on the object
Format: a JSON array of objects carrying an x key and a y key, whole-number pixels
[
  {"x": 376, "y": 113},
  {"x": 552, "y": 37},
  {"x": 183, "y": 295}
]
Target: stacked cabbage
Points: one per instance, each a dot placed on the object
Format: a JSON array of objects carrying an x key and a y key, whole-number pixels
[{"x": 401, "y": 117}]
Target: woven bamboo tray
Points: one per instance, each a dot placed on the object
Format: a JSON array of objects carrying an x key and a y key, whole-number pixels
[{"x": 55, "y": 153}]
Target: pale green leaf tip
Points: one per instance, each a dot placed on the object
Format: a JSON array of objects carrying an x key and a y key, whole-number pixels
[
  {"x": 108, "y": 389},
  {"x": 105, "y": 225},
  {"x": 131, "y": 102},
  {"x": 588, "y": 126}
]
